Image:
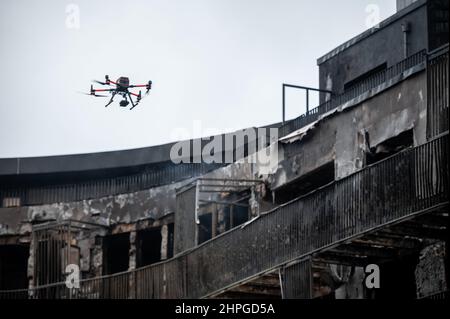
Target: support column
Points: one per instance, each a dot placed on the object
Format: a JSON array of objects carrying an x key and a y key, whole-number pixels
[
  {"x": 296, "y": 280},
  {"x": 31, "y": 262},
  {"x": 164, "y": 242},
  {"x": 214, "y": 221},
  {"x": 132, "y": 266}
]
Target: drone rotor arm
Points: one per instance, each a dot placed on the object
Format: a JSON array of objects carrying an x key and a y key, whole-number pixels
[
  {"x": 99, "y": 82},
  {"x": 148, "y": 86},
  {"x": 102, "y": 90}
]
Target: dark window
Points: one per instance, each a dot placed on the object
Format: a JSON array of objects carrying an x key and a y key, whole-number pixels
[
  {"x": 170, "y": 240},
  {"x": 148, "y": 246},
  {"x": 438, "y": 23},
  {"x": 390, "y": 147},
  {"x": 13, "y": 266},
  {"x": 305, "y": 184},
  {"x": 239, "y": 214},
  {"x": 205, "y": 229},
  {"x": 217, "y": 218},
  {"x": 116, "y": 250}
]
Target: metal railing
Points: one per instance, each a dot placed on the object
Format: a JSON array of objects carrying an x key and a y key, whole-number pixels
[
  {"x": 437, "y": 86},
  {"x": 400, "y": 187},
  {"x": 38, "y": 195},
  {"x": 158, "y": 281},
  {"x": 304, "y": 88},
  {"x": 354, "y": 91},
  {"x": 115, "y": 286},
  {"x": 409, "y": 182},
  {"x": 444, "y": 295}
]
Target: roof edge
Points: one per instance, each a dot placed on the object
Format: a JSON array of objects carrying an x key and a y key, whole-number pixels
[{"x": 383, "y": 24}]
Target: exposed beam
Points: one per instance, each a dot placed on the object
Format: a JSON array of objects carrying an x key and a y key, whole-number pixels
[
  {"x": 431, "y": 220},
  {"x": 409, "y": 229},
  {"x": 339, "y": 259},
  {"x": 243, "y": 295},
  {"x": 389, "y": 241},
  {"x": 362, "y": 250},
  {"x": 256, "y": 290}
]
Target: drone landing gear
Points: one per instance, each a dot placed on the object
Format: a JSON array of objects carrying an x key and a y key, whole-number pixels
[
  {"x": 112, "y": 98},
  {"x": 125, "y": 102},
  {"x": 132, "y": 103}
]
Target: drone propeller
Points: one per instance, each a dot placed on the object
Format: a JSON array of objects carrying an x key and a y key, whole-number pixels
[
  {"x": 107, "y": 81},
  {"x": 101, "y": 83},
  {"x": 93, "y": 94}
]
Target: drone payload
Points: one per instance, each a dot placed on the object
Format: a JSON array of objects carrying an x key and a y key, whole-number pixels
[{"x": 122, "y": 86}]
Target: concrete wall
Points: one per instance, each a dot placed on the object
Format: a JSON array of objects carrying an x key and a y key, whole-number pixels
[
  {"x": 430, "y": 271},
  {"x": 153, "y": 204},
  {"x": 125, "y": 213},
  {"x": 402, "y": 4},
  {"x": 342, "y": 136},
  {"x": 368, "y": 51}
]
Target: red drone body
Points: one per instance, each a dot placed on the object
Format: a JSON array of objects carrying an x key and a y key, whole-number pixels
[{"x": 122, "y": 86}]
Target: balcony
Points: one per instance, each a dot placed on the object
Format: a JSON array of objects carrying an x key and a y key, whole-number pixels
[
  {"x": 360, "y": 91},
  {"x": 404, "y": 195}
]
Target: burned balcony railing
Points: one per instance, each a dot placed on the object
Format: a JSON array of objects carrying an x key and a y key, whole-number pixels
[
  {"x": 399, "y": 187},
  {"x": 117, "y": 286},
  {"x": 38, "y": 195},
  {"x": 356, "y": 90},
  {"x": 438, "y": 100},
  {"x": 53, "y": 248},
  {"x": 409, "y": 183},
  {"x": 165, "y": 280}
]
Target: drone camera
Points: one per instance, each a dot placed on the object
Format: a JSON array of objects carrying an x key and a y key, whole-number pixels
[{"x": 124, "y": 103}]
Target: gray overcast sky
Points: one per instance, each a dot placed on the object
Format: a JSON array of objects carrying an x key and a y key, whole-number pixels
[{"x": 220, "y": 62}]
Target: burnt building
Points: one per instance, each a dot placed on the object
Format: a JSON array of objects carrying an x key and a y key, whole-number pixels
[{"x": 359, "y": 182}]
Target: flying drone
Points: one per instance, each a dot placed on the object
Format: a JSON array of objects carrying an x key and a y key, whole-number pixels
[{"x": 122, "y": 86}]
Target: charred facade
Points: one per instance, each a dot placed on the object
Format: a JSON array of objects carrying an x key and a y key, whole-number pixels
[{"x": 362, "y": 179}]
